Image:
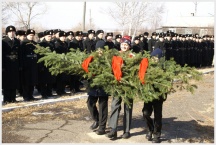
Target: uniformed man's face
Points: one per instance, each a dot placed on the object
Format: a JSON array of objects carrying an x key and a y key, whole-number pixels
[
  {"x": 125, "y": 47},
  {"x": 136, "y": 41},
  {"x": 22, "y": 37},
  {"x": 11, "y": 34},
  {"x": 212, "y": 38},
  {"x": 48, "y": 38},
  {"x": 57, "y": 35},
  {"x": 91, "y": 36},
  {"x": 78, "y": 37},
  {"x": 141, "y": 38},
  {"x": 161, "y": 39},
  {"x": 30, "y": 36},
  {"x": 70, "y": 37},
  {"x": 100, "y": 35},
  {"x": 200, "y": 40},
  {"x": 153, "y": 36},
  {"x": 168, "y": 38},
  {"x": 118, "y": 39},
  {"x": 109, "y": 38},
  {"x": 174, "y": 38},
  {"x": 62, "y": 38}
]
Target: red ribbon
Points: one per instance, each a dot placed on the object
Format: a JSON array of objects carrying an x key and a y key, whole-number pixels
[
  {"x": 117, "y": 62},
  {"x": 142, "y": 70},
  {"x": 86, "y": 62}
]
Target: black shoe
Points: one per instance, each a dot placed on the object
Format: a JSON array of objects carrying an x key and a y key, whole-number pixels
[
  {"x": 149, "y": 136},
  {"x": 94, "y": 125},
  {"x": 126, "y": 135},
  {"x": 112, "y": 134},
  {"x": 156, "y": 140},
  {"x": 100, "y": 132}
]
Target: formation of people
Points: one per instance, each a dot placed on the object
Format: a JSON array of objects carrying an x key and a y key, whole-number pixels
[{"x": 21, "y": 70}]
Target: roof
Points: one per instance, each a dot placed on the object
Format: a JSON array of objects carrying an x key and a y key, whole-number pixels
[{"x": 191, "y": 21}]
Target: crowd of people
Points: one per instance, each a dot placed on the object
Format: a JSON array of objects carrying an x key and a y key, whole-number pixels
[{"x": 20, "y": 70}]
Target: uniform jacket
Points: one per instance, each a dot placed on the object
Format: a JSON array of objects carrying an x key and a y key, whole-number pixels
[
  {"x": 10, "y": 63},
  {"x": 89, "y": 45},
  {"x": 29, "y": 62}
]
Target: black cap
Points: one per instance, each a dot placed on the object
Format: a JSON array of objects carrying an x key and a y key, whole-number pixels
[
  {"x": 99, "y": 31},
  {"x": 109, "y": 34},
  {"x": 78, "y": 33},
  {"x": 70, "y": 33},
  {"x": 161, "y": 35},
  {"x": 146, "y": 34},
  {"x": 85, "y": 34},
  {"x": 154, "y": 34},
  {"x": 137, "y": 38},
  {"x": 141, "y": 35},
  {"x": 56, "y": 31},
  {"x": 30, "y": 31},
  {"x": 41, "y": 34},
  {"x": 118, "y": 36},
  {"x": 20, "y": 32},
  {"x": 91, "y": 31},
  {"x": 62, "y": 33},
  {"x": 48, "y": 32},
  {"x": 10, "y": 28}
]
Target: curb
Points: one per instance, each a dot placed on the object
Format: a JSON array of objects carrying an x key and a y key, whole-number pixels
[{"x": 51, "y": 101}]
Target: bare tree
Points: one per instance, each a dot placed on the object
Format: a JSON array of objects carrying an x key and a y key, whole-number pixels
[
  {"x": 156, "y": 15},
  {"x": 132, "y": 15},
  {"x": 25, "y": 12}
]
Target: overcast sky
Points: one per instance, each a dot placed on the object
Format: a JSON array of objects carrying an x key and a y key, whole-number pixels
[{"x": 66, "y": 15}]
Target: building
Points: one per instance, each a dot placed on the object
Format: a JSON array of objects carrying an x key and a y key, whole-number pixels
[{"x": 189, "y": 25}]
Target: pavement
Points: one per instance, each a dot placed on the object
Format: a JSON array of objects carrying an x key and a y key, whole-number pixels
[{"x": 55, "y": 98}]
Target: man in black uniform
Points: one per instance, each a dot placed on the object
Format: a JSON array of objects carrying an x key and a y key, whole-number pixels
[
  {"x": 152, "y": 41},
  {"x": 89, "y": 43},
  {"x": 70, "y": 37},
  {"x": 45, "y": 79},
  {"x": 20, "y": 35},
  {"x": 141, "y": 41},
  {"x": 10, "y": 65},
  {"x": 168, "y": 46},
  {"x": 109, "y": 40},
  {"x": 136, "y": 48},
  {"x": 77, "y": 42},
  {"x": 145, "y": 41},
  {"x": 97, "y": 94},
  {"x": 61, "y": 47},
  {"x": 55, "y": 34},
  {"x": 29, "y": 65},
  {"x": 40, "y": 36},
  {"x": 117, "y": 41},
  {"x": 156, "y": 105}
]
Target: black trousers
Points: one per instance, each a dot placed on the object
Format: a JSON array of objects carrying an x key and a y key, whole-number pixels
[
  {"x": 46, "y": 89},
  {"x": 74, "y": 82},
  {"x": 156, "y": 124},
  {"x": 28, "y": 92},
  {"x": 9, "y": 95},
  {"x": 101, "y": 115}
]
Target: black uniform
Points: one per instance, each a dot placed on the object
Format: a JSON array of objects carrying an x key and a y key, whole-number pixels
[
  {"x": 30, "y": 68},
  {"x": 136, "y": 48},
  {"x": 117, "y": 45},
  {"x": 89, "y": 45},
  {"x": 111, "y": 45},
  {"x": 151, "y": 44},
  {"x": 75, "y": 44},
  {"x": 10, "y": 68},
  {"x": 168, "y": 49},
  {"x": 45, "y": 79},
  {"x": 145, "y": 42},
  {"x": 61, "y": 47}
]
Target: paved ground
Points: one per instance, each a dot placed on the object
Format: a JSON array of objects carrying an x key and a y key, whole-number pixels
[{"x": 186, "y": 118}]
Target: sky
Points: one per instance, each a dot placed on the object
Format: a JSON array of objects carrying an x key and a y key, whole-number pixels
[{"x": 66, "y": 15}]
